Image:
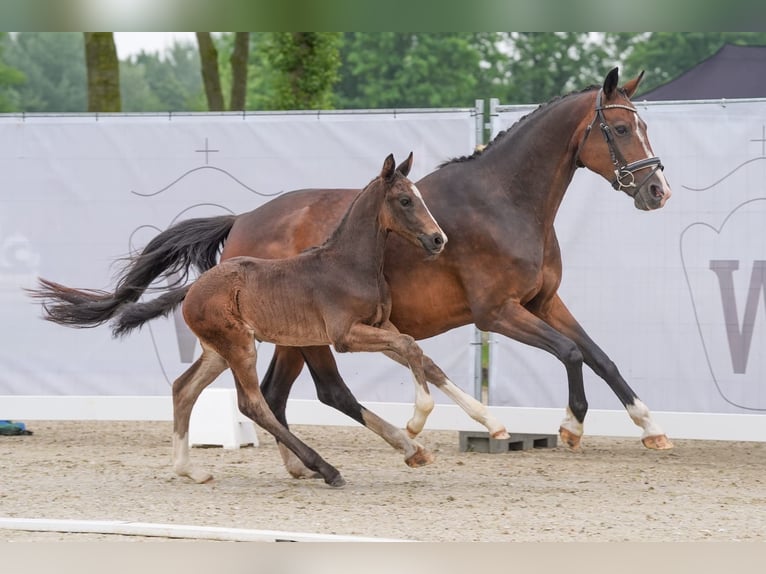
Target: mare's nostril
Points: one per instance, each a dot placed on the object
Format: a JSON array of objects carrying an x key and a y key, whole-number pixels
[{"x": 656, "y": 191}]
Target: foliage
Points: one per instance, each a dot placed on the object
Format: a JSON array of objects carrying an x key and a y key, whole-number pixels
[
  {"x": 46, "y": 72},
  {"x": 666, "y": 55},
  {"x": 305, "y": 69},
  {"x": 9, "y": 77},
  {"x": 54, "y": 66},
  {"x": 414, "y": 70}
]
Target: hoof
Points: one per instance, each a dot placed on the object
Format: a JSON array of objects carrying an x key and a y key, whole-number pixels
[
  {"x": 421, "y": 458},
  {"x": 569, "y": 438},
  {"x": 198, "y": 476},
  {"x": 336, "y": 482},
  {"x": 659, "y": 442},
  {"x": 501, "y": 434}
]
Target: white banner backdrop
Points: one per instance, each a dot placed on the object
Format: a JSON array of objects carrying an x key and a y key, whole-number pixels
[
  {"x": 675, "y": 297},
  {"x": 79, "y": 192}
]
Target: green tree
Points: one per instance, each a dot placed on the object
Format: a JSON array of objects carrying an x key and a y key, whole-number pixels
[
  {"x": 411, "y": 70},
  {"x": 542, "y": 65},
  {"x": 666, "y": 55},
  {"x": 10, "y": 78},
  {"x": 54, "y": 66},
  {"x": 304, "y": 69},
  {"x": 103, "y": 71},
  {"x": 163, "y": 83}
]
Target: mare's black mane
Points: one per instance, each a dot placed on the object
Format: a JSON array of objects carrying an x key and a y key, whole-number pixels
[{"x": 502, "y": 134}]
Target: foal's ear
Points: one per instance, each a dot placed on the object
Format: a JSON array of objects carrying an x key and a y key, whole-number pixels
[
  {"x": 631, "y": 86},
  {"x": 405, "y": 166},
  {"x": 387, "y": 173},
  {"x": 610, "y": 82}
]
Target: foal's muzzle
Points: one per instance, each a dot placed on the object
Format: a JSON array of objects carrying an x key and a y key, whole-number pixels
[{"x": 433, "y": 243}]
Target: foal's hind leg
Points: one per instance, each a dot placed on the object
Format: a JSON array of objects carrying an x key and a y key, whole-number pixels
[
  {"x": 242, "y": 360},
  {"x": 186, "y": 391},
  {"x": 332, "y": 391}
]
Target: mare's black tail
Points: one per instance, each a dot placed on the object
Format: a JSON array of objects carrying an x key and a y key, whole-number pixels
[
  {"x": 134, "y": 315},
  {"x": 190, "y": 244}
]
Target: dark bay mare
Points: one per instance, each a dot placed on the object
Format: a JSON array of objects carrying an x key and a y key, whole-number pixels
[
  {"x": 501, "y": 269},
  {"x": 331, "y": 294}
]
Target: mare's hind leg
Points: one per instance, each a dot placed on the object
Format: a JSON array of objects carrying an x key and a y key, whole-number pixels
[
  {"x": 186, "y": 390},
  {"x": 474, "y": 408},
  {"x": 285, "y": 367},
  {"x": 242, "y": 360}
]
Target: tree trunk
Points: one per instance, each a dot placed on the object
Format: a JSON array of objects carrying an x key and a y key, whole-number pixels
[
  {"x": 238, "y": 63},
  {"x": 103, "y": 70},
  {"x": 208, "y": 56}
]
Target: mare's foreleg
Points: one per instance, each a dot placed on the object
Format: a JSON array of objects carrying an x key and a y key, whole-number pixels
[
  {"x": 558, "y": 316},
  {"x": 186, "y": 391},
  {"x": 515, "y": 321}
]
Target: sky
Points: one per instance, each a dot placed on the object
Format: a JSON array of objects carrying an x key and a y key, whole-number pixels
[{"x": 132, "y": 43}]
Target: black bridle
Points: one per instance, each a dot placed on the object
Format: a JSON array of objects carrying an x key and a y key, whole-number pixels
[{"x": 624, "y": 172}]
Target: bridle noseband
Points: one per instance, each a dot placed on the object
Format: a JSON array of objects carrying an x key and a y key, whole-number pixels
[{"x": 624, "y": 172}]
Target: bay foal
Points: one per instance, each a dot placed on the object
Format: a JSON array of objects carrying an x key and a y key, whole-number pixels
[{"x": 331, "y": 294}]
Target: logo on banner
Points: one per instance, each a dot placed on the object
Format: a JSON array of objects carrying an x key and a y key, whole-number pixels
[
  {"x": 173, "y": 341},
  {"x": 725, "y": 267}
]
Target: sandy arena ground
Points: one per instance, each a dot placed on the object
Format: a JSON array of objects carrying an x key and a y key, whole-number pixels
[{"x": 613, "y": 490}]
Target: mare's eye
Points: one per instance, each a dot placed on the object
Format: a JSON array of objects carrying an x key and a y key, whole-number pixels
[
  {"x": 621, "y": 130},
  {"x": 405, "y": 201}
]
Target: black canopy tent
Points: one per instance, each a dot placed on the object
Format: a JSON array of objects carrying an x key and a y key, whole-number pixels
[{"x": 732, "y": 72}]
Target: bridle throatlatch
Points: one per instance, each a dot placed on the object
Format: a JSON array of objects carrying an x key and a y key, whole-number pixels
[{"x": 624, "y": 172}]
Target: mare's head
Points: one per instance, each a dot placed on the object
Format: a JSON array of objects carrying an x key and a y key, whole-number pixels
[
  {"x": 618, "y": 148},
  {"x": 404, "y": 212}
]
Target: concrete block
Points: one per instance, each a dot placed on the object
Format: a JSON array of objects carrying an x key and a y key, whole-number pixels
[
  {"x": 216, "y": 421},
  {"x": 480, "y": 441}
]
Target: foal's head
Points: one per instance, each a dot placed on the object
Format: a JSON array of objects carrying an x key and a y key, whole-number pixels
[
  {"x": 615, "y": 145},
  {"x": 404, "y": 211}
]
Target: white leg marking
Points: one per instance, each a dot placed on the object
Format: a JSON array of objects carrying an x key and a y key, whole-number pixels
[
  {"x": 424, "y": 404},
  {"x": 640, "y": 415},
  {"x": 571, "y": 424},
  {"x": 181, "y": 463},
  {"x": 475, "y": 409}
]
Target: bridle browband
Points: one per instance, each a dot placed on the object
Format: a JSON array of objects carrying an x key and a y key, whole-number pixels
[{"x": 624, "y": 172}]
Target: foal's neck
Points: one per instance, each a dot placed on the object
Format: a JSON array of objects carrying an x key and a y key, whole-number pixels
[{"x": 359, "y": 237}]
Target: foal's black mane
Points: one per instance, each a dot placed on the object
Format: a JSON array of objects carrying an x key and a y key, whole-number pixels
[{"x": 513, "y": 128}]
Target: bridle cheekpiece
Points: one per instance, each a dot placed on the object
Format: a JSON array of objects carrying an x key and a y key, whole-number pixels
[{"x": 624, "y": 172}]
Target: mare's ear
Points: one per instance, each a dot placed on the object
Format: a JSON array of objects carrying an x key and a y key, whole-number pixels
[
  {"x": 405, "y": 166},
  {"x": 610, "y": 82},
  {"x": 631, "y": 86},
  {"x": 387, "y": 173}
]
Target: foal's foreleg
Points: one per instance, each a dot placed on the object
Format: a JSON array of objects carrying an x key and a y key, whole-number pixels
[
  {"x": 559, "y": 317},
  {"x": 387, "y": 338},
  {"x": 186, "y": 391},
  {"x": 474, "y": 408}
]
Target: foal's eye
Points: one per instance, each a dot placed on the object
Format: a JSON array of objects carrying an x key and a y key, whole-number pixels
[
  {"x": 405, "y": 201},
  {"x": 621, "y": 130}
]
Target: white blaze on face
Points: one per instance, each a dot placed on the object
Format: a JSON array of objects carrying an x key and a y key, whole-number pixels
[
  {"x": 641, "y": 135},
  {"x": 416, "y": 193}
]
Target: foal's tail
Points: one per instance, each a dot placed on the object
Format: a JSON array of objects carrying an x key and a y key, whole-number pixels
[
  {"x": 190, "y": 244},
  {"x": 134, "y": 315}
]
